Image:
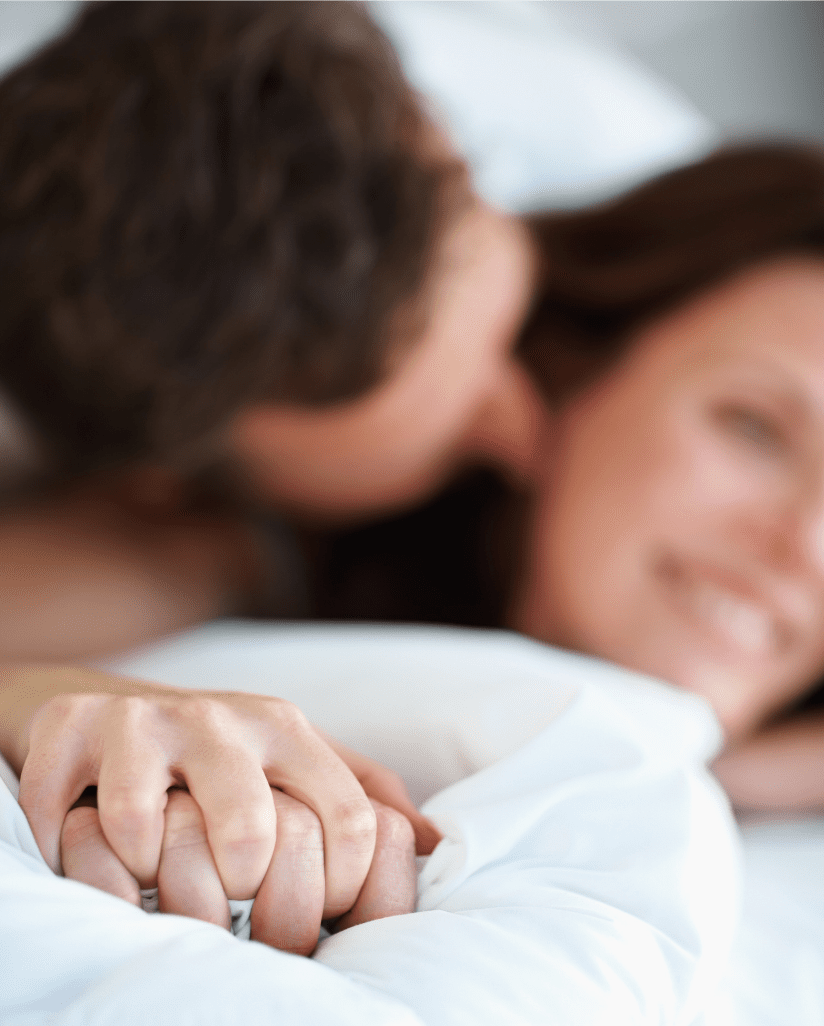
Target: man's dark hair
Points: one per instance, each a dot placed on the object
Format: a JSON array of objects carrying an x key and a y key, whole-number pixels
[{"x": 203, "y": 205}]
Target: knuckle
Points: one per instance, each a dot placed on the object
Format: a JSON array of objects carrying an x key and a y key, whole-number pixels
[
  {"x": 132, "y": 707},
  {"x": 394, "y": 829},
  {"x": 140, "y": 715},
  {"x": 248, "y": 829},
  {"x": 128, "y": 812},
  {"x": 299, "y": 824},
  {"x": 287, "y": 714},
  {"x": 66, "y": 708},
  {"x": 202, "y": 709},
  {"x": 356, "y": 822},
  {"x": 202, "y": 717},
  {"x": 62, "y": 707},
  {"x": 129, "y": 714}
]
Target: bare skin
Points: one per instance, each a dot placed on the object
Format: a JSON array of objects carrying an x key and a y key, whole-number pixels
[
  {"x": 290, "y": 903},
  {"x": 679, "y": 525},
  {"x": 261, "y": 784},
  {"x": 777, "y": 768},
  {"x": 88, "y": 574}
]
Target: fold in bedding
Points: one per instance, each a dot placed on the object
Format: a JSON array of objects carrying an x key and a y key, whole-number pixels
[{"x": 590, "y": 876}]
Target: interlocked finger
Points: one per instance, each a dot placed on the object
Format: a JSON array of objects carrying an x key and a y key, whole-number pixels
[
  {"x": 88, "y": 857},
  {"x": 131, "y": 796},
  {"x": 235, "y": 798},
  {"x": 288, "y": 909},
  {"x": 56, "y": 771},
  {"x": 188, "y": 881},
  {"x": 390, "y": 888},
  {"x": 388, "y": 788},
  {"x": 305, "y": 767}
]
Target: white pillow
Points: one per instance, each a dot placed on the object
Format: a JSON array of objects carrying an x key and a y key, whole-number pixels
[
  {"x": 545, "y": 118},
  {"x": 26, "y": 26}
]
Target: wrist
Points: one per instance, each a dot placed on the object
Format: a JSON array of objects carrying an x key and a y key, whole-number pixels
[
  {"x": 25, "y": 690},
  {"x": 17, "y": 710}
]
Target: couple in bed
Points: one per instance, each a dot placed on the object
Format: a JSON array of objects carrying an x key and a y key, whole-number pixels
[{"x": 243, "y": 274}]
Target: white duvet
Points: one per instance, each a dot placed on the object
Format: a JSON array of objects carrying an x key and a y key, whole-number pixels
[{"x": 589, "y": 872}]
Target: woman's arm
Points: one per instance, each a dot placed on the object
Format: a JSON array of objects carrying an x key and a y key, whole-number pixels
[{"x": 780, "y": 768}]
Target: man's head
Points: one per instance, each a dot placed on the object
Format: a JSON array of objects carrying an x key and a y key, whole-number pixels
[{"x": 213, "y": 208}]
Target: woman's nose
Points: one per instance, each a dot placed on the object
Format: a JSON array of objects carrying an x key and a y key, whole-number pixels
[
  {"x": 811, "y": 531},
  {"x": 792, "y": 531}
]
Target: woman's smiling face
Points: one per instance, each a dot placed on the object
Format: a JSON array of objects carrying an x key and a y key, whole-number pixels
[{"x": 679, "y": 528}]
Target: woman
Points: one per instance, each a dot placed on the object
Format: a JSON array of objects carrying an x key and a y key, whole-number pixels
[{"x": 677, "y": 520}]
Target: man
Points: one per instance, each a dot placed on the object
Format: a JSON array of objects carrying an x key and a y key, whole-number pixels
[
  {"x": 239, "y": 271},
  {"x": 238, "y": 261}
]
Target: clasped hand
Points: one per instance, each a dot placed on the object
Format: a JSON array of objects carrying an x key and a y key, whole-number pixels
[{"x": 211, "y": 796}]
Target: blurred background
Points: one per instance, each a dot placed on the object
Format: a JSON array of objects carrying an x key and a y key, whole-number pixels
[
  {"x": 562, "y": 102},
  {"x": 752, "y": 68}
]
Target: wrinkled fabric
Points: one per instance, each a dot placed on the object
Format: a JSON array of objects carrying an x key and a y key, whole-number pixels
[{"x": 588, "y": 874}]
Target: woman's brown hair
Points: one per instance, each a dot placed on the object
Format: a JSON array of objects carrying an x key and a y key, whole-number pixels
[
  {"x": 610, "y": 269},
  {"x": 203, "y": 205}
]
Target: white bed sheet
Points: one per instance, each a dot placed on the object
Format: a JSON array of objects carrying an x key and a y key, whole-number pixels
[{"x": 588, "y": 874}]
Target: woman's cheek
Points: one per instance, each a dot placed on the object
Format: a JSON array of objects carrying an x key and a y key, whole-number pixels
[{"x": 689, "y": 479}]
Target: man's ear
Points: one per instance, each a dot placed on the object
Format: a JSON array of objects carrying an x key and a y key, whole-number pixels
[
  {"x": 21, "y": 455},
  {"x": 513, "y": 427}
]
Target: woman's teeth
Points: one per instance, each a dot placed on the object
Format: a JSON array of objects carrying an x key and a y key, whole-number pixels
[
  {"x": 742, "y": 620},
  {"x": 747, "y": 625}
]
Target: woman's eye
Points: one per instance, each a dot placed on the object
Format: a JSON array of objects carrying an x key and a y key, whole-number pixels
[{"x": 752, "y": 426}]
